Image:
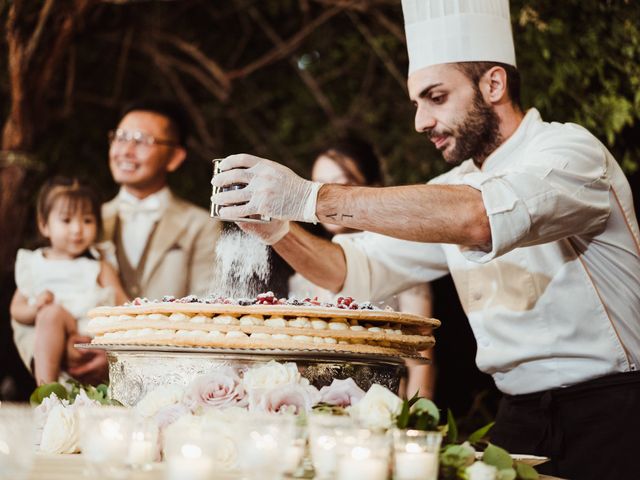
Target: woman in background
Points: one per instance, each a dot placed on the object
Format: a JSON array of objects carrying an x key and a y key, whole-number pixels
[{"x": 353, "y": 162}]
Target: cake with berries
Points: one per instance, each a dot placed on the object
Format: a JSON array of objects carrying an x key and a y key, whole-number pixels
[{"x": 265, "y": 322}]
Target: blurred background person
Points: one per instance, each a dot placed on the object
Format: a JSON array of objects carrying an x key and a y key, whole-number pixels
[
  {"x": 351, "y": 161},
  {"x": 165, "y": 245}
]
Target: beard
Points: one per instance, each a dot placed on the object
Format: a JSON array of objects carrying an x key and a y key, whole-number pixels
[{"x": 476, "y": 136}]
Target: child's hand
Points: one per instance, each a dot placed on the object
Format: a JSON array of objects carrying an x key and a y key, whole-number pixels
[{"x": 45, "y": 298}]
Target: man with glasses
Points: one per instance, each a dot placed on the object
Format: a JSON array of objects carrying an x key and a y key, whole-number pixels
[{"x": 164, "y": 244}]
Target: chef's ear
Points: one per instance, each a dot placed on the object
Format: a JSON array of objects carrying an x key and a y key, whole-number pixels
[
  {"x": 493, "y": 85},
  {"x": 178, "y": 156}
]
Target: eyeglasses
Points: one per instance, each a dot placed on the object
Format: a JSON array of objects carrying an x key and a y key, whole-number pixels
[{"x": 139, "y": 139}]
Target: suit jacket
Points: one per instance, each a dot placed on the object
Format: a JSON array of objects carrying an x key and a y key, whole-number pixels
[{"x": 180, "y": 259}]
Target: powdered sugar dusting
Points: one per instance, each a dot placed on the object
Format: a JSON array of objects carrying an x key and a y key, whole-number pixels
[{"x": 242, "y": 265}]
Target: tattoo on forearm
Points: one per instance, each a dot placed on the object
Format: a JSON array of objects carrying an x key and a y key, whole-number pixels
[{"x": 333, "y": 216}]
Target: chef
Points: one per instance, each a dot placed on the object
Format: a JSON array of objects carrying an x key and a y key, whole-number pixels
[{"x": 535, "y": 223}]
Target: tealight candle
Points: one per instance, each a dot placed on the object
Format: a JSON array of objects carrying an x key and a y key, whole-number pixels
[
  {"x": 416, "y": 455},
  {"x": 361, "y": 464},
  {"x": 416, "y": 466},
  {"x": 189, "y": 464}
]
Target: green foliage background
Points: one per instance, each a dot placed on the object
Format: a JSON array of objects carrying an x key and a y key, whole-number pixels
[{"x": 579, "y": 59}]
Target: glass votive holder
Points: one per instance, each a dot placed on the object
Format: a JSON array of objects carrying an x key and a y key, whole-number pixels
[
  {"x": 189, "y": 452},
  {"x": 105, "y": 435},
  {"x": 295, "y": 451},
  {"x": 262, "y": 441},
  {"x": 325, "y": 432},
  {"x": 363, "y": 454},
  {"x": 416, "y": 454},
  {"x": 17, "y": 441},
  {"x": 143, "y": 446}
]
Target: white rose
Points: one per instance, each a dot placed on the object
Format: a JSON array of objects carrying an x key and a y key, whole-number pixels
[
  {"x": 285, "y": 399},
  {"x": 61, "y": 431},
  {"x": 271, "y": 375},
  {"x": 157, "y": 399},
  {"x": 377, "y": 409},
  {"x": 220, "y": 388},
  {"x": 342, "y": 393},
  {"x": 42, "y": 411},
  {"x": 481, "y": 471}
]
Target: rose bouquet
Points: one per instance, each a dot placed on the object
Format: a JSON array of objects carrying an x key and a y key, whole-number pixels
[{"x": 226, "y": 397}]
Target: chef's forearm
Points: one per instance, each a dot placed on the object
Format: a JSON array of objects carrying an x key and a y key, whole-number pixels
[
  {"x": 424, "y": 213},
  {"x": 318, "y": 260}
]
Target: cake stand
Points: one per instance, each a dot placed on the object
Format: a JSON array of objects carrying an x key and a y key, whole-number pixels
[{"x": 135, "y": 370}]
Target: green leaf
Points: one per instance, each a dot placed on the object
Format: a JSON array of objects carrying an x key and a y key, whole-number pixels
[
  {"x": 526, "y": 472},
  {"x": 415, "y": 398},
  {"x": 457, "y": 456},
  {"x": 480, "y": 433},
  {"x": 452, "y": 428},
  {"x": 403, "y": 419},
  {"x": 44, "y": 391},
  {"x": 426, "y": 405},
  {"x": 498, "y": 457},
  {"x": 506, "y": 474}
]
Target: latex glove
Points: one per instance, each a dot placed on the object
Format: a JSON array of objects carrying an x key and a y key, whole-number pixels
[
  {"x": 272, "y": 189},
  {"x": 269, "y": 232}
]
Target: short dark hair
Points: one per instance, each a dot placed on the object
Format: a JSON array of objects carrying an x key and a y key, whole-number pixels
[
  {"x": 78, "y": 192},
  {"x": 360, "y": 152},
  {"x": 179, "y": 122},
  {"x": 475, "y": 70}
]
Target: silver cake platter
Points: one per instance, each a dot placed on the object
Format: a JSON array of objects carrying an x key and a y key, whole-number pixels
[{"x": 135, "y": 370}]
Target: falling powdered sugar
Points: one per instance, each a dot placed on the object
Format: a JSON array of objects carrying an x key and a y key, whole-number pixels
[{"x": 242, "y": 265}]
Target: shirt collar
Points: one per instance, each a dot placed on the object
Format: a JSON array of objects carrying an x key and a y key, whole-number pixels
[{"x": 160, "y": 199}]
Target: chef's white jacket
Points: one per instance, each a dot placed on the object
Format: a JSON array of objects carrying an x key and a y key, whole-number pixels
[{"x": 555, "y": 299}]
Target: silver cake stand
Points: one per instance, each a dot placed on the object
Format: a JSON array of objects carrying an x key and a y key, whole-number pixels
[{"x": 135, "y": 370}]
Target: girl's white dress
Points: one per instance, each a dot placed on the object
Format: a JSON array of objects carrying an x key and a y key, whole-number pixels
[{"x": 74, "y": 283}]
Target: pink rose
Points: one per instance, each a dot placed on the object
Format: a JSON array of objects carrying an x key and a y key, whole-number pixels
[
  {"x": 342, "y": 393},
  {"x": 289, "y": 398},
  {"x": 220, "y": 388}
]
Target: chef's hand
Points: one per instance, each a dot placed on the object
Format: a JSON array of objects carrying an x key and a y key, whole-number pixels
[
  {"x": 268, "y": 232},
  {"x": 271, "y": 189}
]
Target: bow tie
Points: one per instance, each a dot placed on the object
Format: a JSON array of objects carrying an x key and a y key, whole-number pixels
[{"x": 149, "y": 208}]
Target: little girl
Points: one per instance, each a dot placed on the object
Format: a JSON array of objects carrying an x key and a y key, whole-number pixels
[{"x": 58, "y": 284}]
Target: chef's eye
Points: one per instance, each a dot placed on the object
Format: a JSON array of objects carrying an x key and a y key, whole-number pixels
[{"x": 438, "y": 99}]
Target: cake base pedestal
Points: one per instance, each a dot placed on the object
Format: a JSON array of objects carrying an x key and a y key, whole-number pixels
[{"x": 135, "y": 370}]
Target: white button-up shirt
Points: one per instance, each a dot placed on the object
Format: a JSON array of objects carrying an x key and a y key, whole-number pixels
[
  {"x": 556, "y": 299},
  {"x": 137, "y": 219}
]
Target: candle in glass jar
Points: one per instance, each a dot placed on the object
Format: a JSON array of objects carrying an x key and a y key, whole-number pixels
[
  {"x": 141, "y": 451},
  {"x": 415, "y": 464},
  {"x": 360, "y": 464},
  {"x": 190, "y": 464}
]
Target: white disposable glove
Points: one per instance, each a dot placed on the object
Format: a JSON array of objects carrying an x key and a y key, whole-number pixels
[
  {"x": 272, "y": 190},
  {"x": 269, "y": 233}
]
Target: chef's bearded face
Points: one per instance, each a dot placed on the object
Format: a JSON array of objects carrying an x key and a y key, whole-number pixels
[{"x": 452, "y": 111}]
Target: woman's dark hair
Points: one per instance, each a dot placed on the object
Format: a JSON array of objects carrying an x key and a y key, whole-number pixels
[
  {"x": 75, "y": 191},
  {"x": 475, "y": 70},
  {"x": 352, "y": 152}
]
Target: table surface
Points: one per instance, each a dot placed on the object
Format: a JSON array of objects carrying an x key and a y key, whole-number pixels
[{"x": 65, "y": 467}]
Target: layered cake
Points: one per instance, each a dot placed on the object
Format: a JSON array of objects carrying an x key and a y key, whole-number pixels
[{"x": 265, "y": 322}]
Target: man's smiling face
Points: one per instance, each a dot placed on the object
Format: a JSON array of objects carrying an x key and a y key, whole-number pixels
[{"x": 451, "y": 110}]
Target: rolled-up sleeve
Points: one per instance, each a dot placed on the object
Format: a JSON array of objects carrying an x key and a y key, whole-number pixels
[
  {"x": 559, "y": 189},
  {"x": 379, "y": 266}
]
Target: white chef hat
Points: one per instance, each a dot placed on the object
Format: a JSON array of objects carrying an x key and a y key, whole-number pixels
[{"x": 447, "y": 31}]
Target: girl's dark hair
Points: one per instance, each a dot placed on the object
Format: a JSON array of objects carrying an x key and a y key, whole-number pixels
[
  {"x": 361, "y": 156},
  {"x": 76, "y": 191}
]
